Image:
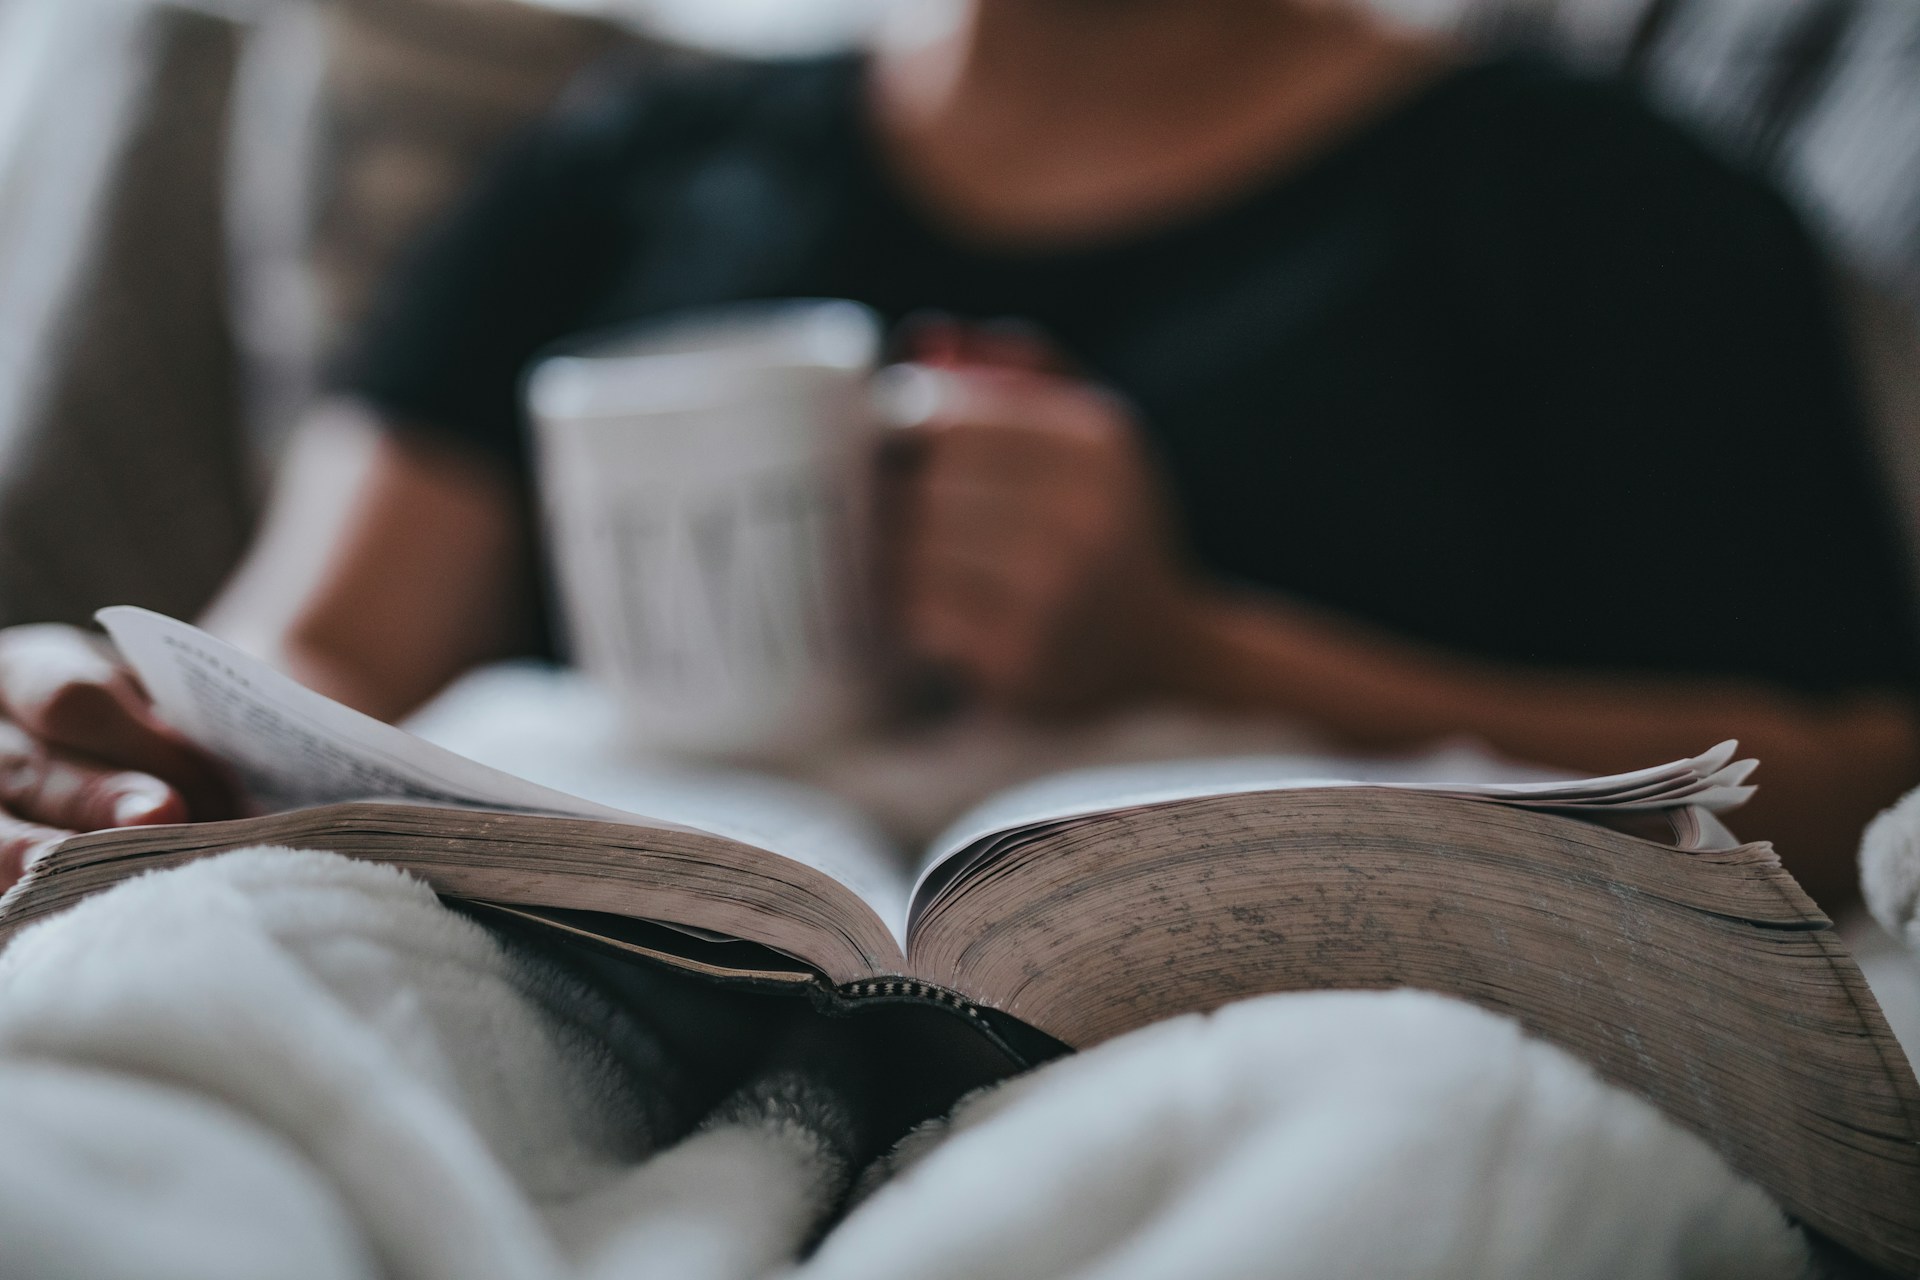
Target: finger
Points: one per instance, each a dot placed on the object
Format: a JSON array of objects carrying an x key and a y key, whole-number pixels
[
  {"x": 139, "y": 742},
  {"x": 1001, "y": 585},
  {"x": 946, "y": 634},
  {"x": 942, "y": 420},
  {"x": 21, "y": 845},
  {"x": 970, "y": 466},
  {"x": 981, "y": 619},
  {"x": 38, "y": 662},
  {"x": 1014, "y": 459},
  {"x": 1012, "y": 343},
  {"x": 1035, "y": 559},
  {"x": 946, "y": 596},
  {"x": 1010, "y": 552},
  {"x": 1081, "y": 488},
  {"x": 998, "y": 666},
  {"x": 946, "y": 516},
  {"x": 930, "y": 337},
  {"x": 1002, "y": 407},
  {"x": 1009, "y": 512},
  {"x": 45, "y": 786},
  {"x": 65, "y": 689},
  {"x": 922, "y": 393}
]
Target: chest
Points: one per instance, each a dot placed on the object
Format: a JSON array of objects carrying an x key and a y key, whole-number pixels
[{"x": 1296, "y": 365}]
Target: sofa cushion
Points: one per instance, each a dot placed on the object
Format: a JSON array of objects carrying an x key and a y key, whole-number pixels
[{"x": 122, "y": 474}]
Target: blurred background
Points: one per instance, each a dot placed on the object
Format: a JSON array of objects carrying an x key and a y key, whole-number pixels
[{"x": 196, "y": 199}]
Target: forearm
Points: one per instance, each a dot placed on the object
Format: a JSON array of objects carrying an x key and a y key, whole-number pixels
[
  {"x": 329, "y": 463},
  {"x": 386, "y": 568},
  {"x": 1828, "y": 766}
]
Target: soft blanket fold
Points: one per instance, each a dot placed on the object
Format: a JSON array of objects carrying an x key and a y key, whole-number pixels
[{"x": 294, "y": 1065}]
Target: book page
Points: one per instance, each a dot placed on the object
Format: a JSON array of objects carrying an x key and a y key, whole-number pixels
[
  {"x": 557, "y": 728},
  {"x": 1698, "y": 787},
  {"x": 293, "y": 747}
]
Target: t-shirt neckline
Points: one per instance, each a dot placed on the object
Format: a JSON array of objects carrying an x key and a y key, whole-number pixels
[{"x": 1284, "y": 182}]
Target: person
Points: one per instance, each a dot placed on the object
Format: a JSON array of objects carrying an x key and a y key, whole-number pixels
[{"x": 1289, "y": 362}]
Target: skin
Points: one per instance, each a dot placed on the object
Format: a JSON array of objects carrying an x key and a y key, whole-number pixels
[{"x": 1032, "y": 553}]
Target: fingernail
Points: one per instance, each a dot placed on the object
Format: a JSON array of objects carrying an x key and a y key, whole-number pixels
[{"x": 141, "y": 801}]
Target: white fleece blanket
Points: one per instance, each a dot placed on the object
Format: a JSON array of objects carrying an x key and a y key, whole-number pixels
[{"x": 290, "y": 1065}]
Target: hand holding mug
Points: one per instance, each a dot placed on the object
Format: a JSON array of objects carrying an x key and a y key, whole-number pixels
[{"x": 1030, "y": 548}]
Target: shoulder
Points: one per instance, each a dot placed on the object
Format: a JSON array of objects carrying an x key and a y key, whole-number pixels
[
  {"x": 1587, "y": 155},
  {"x": 1574, "y": 217},
  {"x": 1527, "y": 100}
]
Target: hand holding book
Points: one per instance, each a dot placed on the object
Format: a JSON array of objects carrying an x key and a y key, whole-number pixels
[
  {"x": 81, "y": 749},
  {"x": 1075, "y": 910}
]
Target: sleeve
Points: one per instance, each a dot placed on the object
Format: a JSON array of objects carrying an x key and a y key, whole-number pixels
[
  {"x": 1680, "y": 377},
  {"x": 517, "y": 265}
]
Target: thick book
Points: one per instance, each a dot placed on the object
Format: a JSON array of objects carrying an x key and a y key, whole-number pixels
[{"x": 1615, "y": 917}]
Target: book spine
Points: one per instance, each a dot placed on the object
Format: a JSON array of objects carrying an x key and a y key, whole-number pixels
[{"x": 909, "y": 989}]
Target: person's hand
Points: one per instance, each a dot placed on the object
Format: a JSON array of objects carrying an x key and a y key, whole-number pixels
[
  {"x": 1029, "y": 549},
  {"x": 81, "y": 749}
]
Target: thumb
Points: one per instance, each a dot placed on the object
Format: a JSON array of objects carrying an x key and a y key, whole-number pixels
[{"x": 68, "y": 691}]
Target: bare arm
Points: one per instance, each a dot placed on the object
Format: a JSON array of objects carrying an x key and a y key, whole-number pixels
[
  {"x": 1036, "y": 565},
  {"x": 388, "y": 566},
  {"x": 1827, "y": 765}
]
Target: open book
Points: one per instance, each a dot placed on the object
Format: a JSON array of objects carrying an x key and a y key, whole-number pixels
[{"x": 1614, "y": 916}]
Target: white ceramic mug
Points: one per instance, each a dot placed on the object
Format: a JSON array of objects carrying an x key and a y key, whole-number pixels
[{"x": 707, "y": 487}]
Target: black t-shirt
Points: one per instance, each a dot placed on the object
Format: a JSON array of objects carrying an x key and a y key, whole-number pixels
[{"x": 1517, "y": 369}]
